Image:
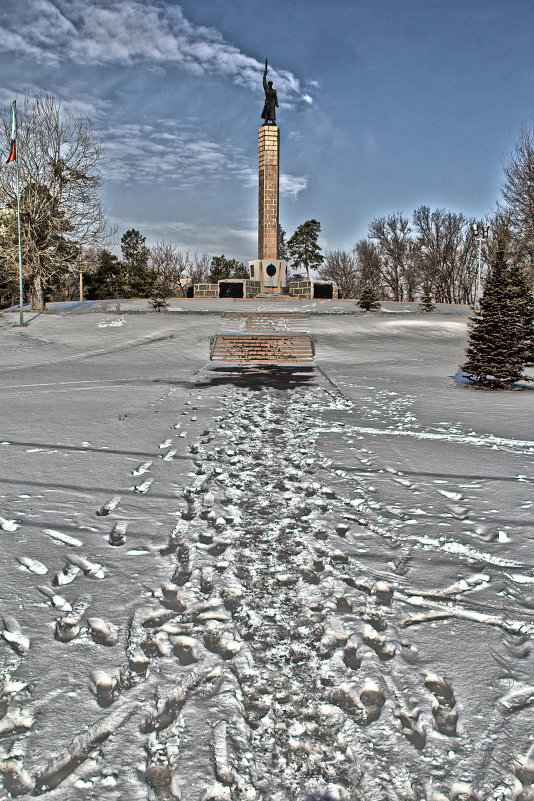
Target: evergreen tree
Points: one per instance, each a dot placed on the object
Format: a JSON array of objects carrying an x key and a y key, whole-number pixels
[
  {"x": 369, "y": 299},
  {"x": 303, "y": 248},
  {"x": 498, "y": 341},
  {"x": 222, "y": 268},
  {"x": 158, "y": 300},
  {"x": 161, "y": 290},
  {"x": 525, "y": 303},
  {"x": 426, "y": 304},
  {"x": 108, "y": 280},
  {"x": 135, "y": 255},
  {"x": 282, "y": 244}
]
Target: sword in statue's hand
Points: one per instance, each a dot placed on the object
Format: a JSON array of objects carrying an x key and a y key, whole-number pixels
[{"x": 265, "y": 67}]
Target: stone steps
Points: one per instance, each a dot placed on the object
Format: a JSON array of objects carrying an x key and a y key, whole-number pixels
[{"x": 297, "y": 346}]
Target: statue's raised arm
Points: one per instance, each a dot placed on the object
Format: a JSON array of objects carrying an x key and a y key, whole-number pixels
[{"x": 271, "y": 100}]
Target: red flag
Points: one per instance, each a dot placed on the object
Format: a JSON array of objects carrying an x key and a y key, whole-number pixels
[{"x": 13, "y": 152}]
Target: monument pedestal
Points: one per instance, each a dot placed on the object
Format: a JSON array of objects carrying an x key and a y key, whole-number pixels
[
  {"x": 268, "y": 269},
  {"x": 271, "y": 273}
]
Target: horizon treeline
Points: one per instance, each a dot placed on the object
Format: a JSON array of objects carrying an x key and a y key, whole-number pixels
[{"x": 64, "y": 230}]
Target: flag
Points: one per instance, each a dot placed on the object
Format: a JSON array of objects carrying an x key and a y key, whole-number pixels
[{"x": 13, "y": 152}]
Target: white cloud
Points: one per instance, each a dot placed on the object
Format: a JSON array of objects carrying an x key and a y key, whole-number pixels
[
  {"x": 185, "y": 157},
  {"x": 198, "y": 237},
  {"x": 87, "y": 106},
  {"x": 291, "y": 185},
  {"x": 144, "y": 153},
  {"x": 127, "y": 32}
]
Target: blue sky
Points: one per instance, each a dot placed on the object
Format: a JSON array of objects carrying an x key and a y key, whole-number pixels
[{"x": 384, "y": 105}]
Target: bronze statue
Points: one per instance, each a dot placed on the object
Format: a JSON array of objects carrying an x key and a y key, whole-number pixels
[{"x": 271, "y": 100}]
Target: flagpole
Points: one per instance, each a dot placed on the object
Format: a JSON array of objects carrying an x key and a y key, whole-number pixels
[{"x": 21, "y": 302}]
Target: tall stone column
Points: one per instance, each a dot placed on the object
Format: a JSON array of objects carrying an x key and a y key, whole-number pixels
[
  {"x": 268, "y": 269},
  {"x": 268, "y": 152}
]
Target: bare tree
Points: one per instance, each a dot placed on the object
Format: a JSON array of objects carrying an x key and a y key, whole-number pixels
[
  {"x": 369, "y": 265},
  {"x": 199, "y": 268},
  {"x": 446, "y": 256},
  {"x": 341, "y": 267},
  {"x": 61, "y": 210},
  {"x": 398, "y": 271},
  {"x": 171, "y": 265},
  {"x": 518, "y": 193}
]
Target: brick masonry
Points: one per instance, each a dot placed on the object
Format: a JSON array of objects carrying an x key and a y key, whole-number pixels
[{"x": 268, "y": 165}]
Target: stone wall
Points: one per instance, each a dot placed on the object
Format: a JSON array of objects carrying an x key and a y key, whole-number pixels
[
  {"x": 305, "y": 289},
  {"x": 252, "y": 288},
  {"x": 206, "y": 290},
  {"x": 301, "y": 289}
]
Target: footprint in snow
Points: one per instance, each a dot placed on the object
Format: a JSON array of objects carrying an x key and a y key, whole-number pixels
[
  {"x": 109, "y": 506},
  {"x": 105, "y": 687},
  {"x": 17, "y": 781},
  {"x": 91, "y": 569},
  {"x": 66, "y": 576},
  {"x": 453, "y": 496},
  {"x": 185, "y": 649},
  {"x": 102, "y": 631},
  {"x": 32, "y": 565},
  {"x": 8, "y": 525},
  {"x": 57, "y": 601},
  {"x": 13, "y": 635},
  {"x": 140, "y": 489},
  {"x": 66, "y": 539},
  {"x": 142, "y": 468},
  {"x": 444, "y": 706},
  {"x": 68, "y": 626},
  {"x": 118, "y": 534},
  {"x": 373, "y": 700},
  {"x": 15, "y": 722}
]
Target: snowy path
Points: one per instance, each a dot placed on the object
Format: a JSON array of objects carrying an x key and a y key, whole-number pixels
[{"x": 243, "y": 584}]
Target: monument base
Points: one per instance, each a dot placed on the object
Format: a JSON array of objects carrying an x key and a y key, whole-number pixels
[
  {"x": 229, "y": 288},
  {"x": 326, "y": 290},
  {"x": 238, "y": 288},
  {"x": 271, "y": 273}
]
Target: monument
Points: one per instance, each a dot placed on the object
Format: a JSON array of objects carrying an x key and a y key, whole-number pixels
[{"x": 268, "y": 269}]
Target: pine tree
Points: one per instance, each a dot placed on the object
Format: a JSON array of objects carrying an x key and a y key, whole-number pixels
[
  {"x": 282, "y": 244},
  {"x": 158, "y": 301},
  {"x": 525, "y": 303},
  {"x": 160, "y": 292},
  {"x": 222, "y": 268},
  {"x": 108, "y": 280},
  {"x": 135, "y": 256},
  {"x": 369, "y": 298},
  {"x": 303, "y": 247},
  {"x": 426, "y": 304},
  {"x": 498, "y": 344}
]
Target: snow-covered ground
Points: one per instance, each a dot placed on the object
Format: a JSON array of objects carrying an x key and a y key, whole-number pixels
[{"x": 247, "y": 583}]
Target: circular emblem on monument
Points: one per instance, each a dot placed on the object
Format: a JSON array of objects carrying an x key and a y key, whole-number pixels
[{"x": 270, "y": 270}]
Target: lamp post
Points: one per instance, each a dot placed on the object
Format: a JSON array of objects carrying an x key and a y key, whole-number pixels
[{"x": 481, "y": 233}]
